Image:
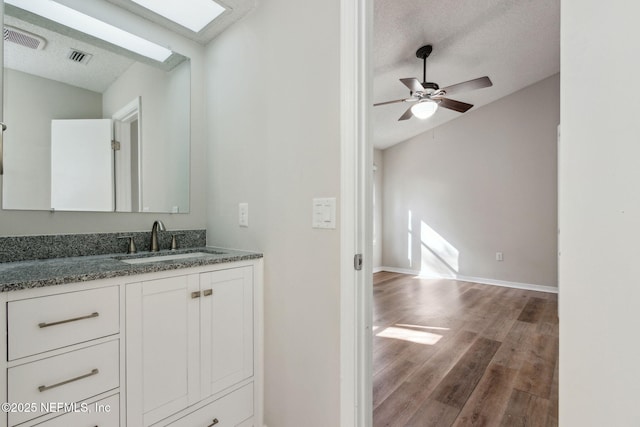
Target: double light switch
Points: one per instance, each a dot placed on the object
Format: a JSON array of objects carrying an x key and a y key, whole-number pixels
[{"x": 324, "y": 213}]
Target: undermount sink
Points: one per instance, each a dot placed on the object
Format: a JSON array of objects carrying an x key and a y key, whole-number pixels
[{"x": 145, "y": 259}]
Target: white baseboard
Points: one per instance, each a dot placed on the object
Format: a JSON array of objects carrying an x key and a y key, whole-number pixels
[
  {"x": 399, "y": 270},
  {"x": 378, "y": 269},
  {"x": 481, "y": 280}
]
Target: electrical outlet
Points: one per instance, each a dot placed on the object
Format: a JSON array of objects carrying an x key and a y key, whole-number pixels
[{"x": 499, "y": 256}]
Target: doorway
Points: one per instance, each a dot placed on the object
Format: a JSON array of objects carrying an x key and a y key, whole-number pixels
[{"x": 127, "y": 159}]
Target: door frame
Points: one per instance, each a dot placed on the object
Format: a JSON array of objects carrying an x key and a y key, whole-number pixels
[
  {"x": 122, "y": 120},
  {"x": 356, "y": 214}
]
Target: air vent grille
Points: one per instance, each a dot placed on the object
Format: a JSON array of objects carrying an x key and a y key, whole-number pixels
[
  {"x": 23, "y": 38},
  {"x": 79, "y": 56}
]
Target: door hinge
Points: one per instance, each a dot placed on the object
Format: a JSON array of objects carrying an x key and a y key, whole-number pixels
[
  {"x": 115, "y": 145},
  {"x": 357, "y": 262}
]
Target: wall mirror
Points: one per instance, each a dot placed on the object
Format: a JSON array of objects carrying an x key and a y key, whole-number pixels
[{"x": 91, "y": 126}]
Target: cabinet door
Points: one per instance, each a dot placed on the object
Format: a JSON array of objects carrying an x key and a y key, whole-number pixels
[
  {"x": 226, "y": 325},
  {"x": 162, "y": 348}
]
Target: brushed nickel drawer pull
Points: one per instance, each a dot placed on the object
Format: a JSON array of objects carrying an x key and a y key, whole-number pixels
[
  {"x": 81, "y": 377},
  {"x": 215, "y": 421},
  {"x": 207, "y": 292},
  {"x": 75, "y": 319},
  {"x": 195, "y": 294}
]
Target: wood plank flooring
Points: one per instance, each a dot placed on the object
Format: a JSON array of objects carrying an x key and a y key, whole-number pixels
[{"x": 453, "y": 353}]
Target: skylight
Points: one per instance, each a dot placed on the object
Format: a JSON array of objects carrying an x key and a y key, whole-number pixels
[
  {"x": 92, "y": 26},
  {"x": 191, "y": 14}
]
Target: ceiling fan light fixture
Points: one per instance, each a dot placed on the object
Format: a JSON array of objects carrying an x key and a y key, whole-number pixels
[{"x": 424, "y": 109}]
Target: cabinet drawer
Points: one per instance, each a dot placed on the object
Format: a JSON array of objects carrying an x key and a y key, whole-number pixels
[
  {"x": 103, "y": 413},
  {"x": 229, "y": 411},
  {"x": 67, "y": 378},
  {"x": 40, "y": 324}
]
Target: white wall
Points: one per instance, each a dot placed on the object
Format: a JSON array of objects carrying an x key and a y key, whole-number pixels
[
  {"x": 273, "y": 112},
  {"x": 378, "y": 201},
  {"x": 179, "y": 125},
  {"x": 481, "y": 184},
  {"x": 34, "y": 222},
  {"x": 27, "y": 151},
  {"x": 599, "y": 215},
  {"x": 165, "y": 132}
]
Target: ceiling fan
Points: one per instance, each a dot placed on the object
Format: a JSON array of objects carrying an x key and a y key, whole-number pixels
[{"x": 428, "y": 95}]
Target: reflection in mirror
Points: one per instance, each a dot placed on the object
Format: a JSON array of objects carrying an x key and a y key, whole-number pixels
[{"x": 91, "y": 127}]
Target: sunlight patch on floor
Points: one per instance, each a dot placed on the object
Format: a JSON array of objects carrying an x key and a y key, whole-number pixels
[{"x": 408, "y": 334}]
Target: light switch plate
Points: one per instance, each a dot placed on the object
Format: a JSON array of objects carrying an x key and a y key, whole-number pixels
[
  {"x": 324, "y": 213},
  {"x": 243, "y": 214}
]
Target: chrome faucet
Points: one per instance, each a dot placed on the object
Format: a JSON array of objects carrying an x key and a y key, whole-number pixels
[{"x": 154, "y": 235}]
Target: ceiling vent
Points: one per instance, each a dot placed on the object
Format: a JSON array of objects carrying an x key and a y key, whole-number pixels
[
  {"x": 79, "y": 56},
  {"x": 23, "y": 38}
]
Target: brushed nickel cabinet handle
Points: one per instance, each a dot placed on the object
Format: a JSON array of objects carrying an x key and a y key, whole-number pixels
[
  {"x": 75, "y": 319},
  {"x": 4, "y": 127},
  {"x": 81, "y": 377},
  {"x": 195, "y": 294},
  {"x": 207, "y": 292},
  {"x": 214, "y": 422}
]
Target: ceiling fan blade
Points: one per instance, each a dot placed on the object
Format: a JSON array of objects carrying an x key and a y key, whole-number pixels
[
  {"x": 407, "y": 115},
  {"x": 389, "y": 102},
  {"x": 452, "y": 104},
  {"x": 468, "y": 85},
  {"x": 413, "y": 84}
]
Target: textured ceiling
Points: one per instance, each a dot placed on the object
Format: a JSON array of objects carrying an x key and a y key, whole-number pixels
[
  {"x": 106, "y": 65},
  {"x": 514, "y": 42},
  {"x": 52, "y": 63}
]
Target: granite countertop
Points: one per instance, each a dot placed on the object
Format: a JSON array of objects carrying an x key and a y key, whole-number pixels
[{"x": 56, "y": 271}]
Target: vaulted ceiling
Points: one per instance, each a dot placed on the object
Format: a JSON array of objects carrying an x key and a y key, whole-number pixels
[{"x": 514, "y": 42}]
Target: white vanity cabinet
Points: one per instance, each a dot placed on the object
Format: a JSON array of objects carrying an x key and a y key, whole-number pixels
[
  {"x": 191, "y": 348},
  {"x": 179, "y": 348},
  {"x": 63, "y": 355}
]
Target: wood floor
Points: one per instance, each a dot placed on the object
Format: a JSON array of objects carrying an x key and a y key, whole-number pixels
[{"x": 452, "y": 353}]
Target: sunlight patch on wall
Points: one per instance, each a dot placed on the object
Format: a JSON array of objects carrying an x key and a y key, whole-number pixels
[{"x": 438, "y": 255}]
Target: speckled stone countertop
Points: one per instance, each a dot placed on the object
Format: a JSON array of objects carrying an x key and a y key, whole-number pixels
[{"x": 56, "y": 271}]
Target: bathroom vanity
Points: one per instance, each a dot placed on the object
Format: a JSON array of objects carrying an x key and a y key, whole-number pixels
[
  {"x": 93, "y": 336},
  {"x": 165, "y": 339}
]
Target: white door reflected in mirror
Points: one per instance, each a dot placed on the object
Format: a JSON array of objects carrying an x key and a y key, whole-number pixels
[{"x": 81, "y": 165}]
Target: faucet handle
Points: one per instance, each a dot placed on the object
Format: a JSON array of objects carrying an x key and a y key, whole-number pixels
[
  {"x": 131, "y": 249},
  {"x": 174, "y": 241}
]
